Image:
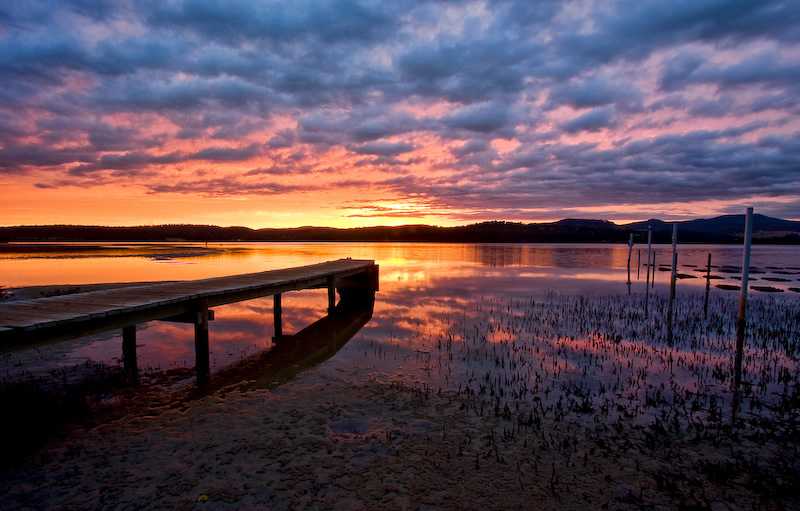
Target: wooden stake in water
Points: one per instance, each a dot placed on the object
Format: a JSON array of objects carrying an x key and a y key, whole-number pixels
[
  {"x": 653, "y": 282},
  {"x": 647, "y": 283},
  {"x": 742, "y": 321},
  {"x": 630, "y": 250},
  {"x": 708, "y": 286},
  {"x": 672, "y": 281},
  {"x": 674, "y": 262}
]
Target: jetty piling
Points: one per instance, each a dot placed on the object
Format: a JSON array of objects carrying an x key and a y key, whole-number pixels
[
  {"x": 202, "y": 366},
  {"x": 276, "y": 313},
  {"x": 129, "y": 350},
  {"x": 28, "y": 322}
]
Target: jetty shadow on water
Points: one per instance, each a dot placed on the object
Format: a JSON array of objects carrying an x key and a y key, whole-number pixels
[
  {"x": 40, "y": 412},
  {"x": 292, "y": 354}
]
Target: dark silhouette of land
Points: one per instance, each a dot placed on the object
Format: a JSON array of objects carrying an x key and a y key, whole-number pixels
[{"x": 722, "y": 229}]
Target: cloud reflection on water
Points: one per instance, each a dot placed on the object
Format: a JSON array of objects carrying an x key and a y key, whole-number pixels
[{"x": 446, "y": 316}]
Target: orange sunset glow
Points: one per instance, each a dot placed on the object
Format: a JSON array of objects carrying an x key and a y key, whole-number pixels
[{"x": 262, "y": 115}]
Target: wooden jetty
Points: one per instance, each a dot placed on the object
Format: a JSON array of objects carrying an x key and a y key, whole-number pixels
[{"x": 56, "y": 318}]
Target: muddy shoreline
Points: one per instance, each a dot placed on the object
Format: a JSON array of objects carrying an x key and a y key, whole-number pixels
[{"x": 331, "y": 444}]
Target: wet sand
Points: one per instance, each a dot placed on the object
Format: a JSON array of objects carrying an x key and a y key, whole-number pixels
[
  {"x": 323, "y": 442},
  {"x": 337, "y": 439}
]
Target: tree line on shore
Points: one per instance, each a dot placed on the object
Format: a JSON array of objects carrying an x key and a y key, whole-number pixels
[{"x": 723, "y": 229}]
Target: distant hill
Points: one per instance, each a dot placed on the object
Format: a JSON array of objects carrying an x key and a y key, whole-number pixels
[
  {"x": 722, "y": 229},
  {"x": 725, "y": 229}
]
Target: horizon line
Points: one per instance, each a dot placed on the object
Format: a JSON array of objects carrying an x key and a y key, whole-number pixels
[{"x": 384, "y": 226}]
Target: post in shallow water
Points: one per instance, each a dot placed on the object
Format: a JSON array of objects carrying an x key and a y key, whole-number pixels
[
  {"x": 630, "y": 250},
  {"x": 741, "y": 323},
  {"x": 647, "y": 282},
  {"x": 672, "y": 281}
]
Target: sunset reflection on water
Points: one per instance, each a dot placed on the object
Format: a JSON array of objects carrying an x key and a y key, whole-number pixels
[{"x": 499, "y": 320}]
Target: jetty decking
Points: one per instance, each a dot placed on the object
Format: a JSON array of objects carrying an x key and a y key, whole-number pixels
[{"x": 70, "y": 316}]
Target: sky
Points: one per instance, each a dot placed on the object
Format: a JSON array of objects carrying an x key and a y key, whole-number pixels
[{"x": 350, "y": 113}]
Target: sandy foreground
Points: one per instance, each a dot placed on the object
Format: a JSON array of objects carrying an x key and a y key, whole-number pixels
[
  {"x": 353, "y": 438},
  {"x": 323, "y": 442}
]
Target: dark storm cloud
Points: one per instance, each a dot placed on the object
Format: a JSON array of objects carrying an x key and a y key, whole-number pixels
[{"x": 103, "y": 89}]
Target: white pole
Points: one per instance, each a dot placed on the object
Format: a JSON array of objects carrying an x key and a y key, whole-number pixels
[
  {"x": 647, "y": 284},
  {"x": 674, "y": 261},
  {"x": 630, "y": 250},
  {"x": 742, "y": 320},
  {"x": 649, "y": 246}
]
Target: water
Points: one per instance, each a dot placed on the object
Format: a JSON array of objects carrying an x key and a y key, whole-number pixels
[{"x": 557, "y": 325}]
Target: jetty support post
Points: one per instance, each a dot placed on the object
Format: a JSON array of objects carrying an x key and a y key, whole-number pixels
[
  {"x": 202, "y": 365},
  {"x": 374, "y": 279},
  {"x": 741, "y": 323},
  {"x": 276, "y": 312},
  {"x": 331, "y": 283},
  {"x": 360, "y": 287},
  {"x": 129, "y": 350}
]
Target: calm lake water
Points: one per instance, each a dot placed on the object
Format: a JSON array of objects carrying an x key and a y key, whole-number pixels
[{"x": 496, "y": 319}]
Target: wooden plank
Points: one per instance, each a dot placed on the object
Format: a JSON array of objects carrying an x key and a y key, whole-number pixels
[
  {"x": 68, "y": 309},
  {"x": 43, "y": 314}
]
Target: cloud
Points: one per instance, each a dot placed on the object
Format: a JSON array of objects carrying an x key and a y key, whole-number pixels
[
  {"x": 596, "y": 92},
  {"x": 633, "y": 30},
  {"x": 237, "y": 21},
  {"x": 374, "y": 128},
  {"x": 226, "y": 153},
  {"x": 228, "y": 187},
  {"x": 384, "y": 148},
  {"x": 482, "y": 118},
  {"x": 282, "y": 140},
  {"x": 471, "y": 146},
  {"x": 765, "y": 68},
  {"x": 479, "y": 108},
  {"x": 593, "y": 120}
]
